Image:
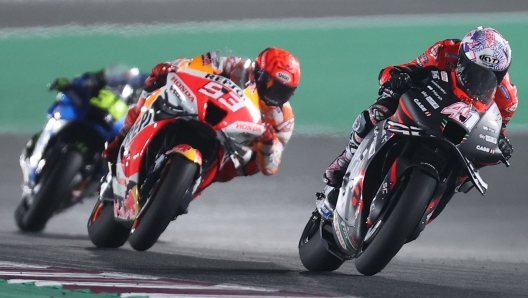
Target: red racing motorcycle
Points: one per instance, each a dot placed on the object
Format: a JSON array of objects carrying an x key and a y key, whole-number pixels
[{"x": 185, "y": 133}]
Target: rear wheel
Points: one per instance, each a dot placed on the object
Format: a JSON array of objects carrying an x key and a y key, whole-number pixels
[
  {"x": 165, "y": 202},
  {"x": 391, "y": 231},
  {"x": 315, "y": 245},
  {"x": 103, "y": 230},
  {"x": 54, "y": 188}
]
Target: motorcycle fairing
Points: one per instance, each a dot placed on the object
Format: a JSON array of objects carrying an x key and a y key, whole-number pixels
[
  {"x": 193, "y": 96},
  {"x": 461, "y": 129},
  {"x": 128, "y": 209},
  {"x": 348, "y": 216},
  {"x": 224, "y": 92}
]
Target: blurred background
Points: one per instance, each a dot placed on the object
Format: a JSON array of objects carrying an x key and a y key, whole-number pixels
[{"x": 342, "y": 45}]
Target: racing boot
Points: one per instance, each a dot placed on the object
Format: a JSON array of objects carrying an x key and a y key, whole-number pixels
[
  {"x": 333, "y": 176},
  {"x": 30, "y": 146}
]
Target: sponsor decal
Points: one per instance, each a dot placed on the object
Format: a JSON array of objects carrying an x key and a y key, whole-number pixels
[
  {"x": 131, "y": 205},
  {"x": 435, "y": 93},
  {"x": 489, "y": 139},
  {"x": 227, "y": 82},
  {"x": 488, "y": 59},
  {"x": 451, "y": 55},
  {"x": 430, "y": 100},
  {"x": 504, "y": 92},
  {"x": 249, "y": 126},
  {"x": 340, "y": 238},
  {"x": 439, "y": 87},
  {"x": 444, "y": 76},
  {"x": 283, "y": 76},
  {"x": 144, "y": 121},
  {"x": 487, "y": 128},
  {"x": 422, "y": 107},
  {"x": 434, "y": 51},
  {"x": 189, "y": 152},
  {"x": 485, "y": 149},
  {"x": 181, "y": 85},
  {"x": 435, "y": 75}
]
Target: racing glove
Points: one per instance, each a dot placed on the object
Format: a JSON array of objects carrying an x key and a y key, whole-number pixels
[
  {"x": 505, "y": 146},
  {"x": 59, "y": 84},
  {"x": 269, "y": 135},
  {"x": 158, "y": 76},
  {"x": 398, "y": 84},
  {"x": 112, "y": 150}
]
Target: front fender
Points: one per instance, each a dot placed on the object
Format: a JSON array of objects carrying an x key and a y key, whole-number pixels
[{"x": 188, "y": 152}]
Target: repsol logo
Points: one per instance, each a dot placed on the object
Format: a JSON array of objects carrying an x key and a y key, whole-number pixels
[
  {"x": 489, "y": 59},
  {"x": 225, "y": 81}
]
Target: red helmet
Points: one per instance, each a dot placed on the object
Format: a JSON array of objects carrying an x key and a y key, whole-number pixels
[{"x": 276, "y": 74}]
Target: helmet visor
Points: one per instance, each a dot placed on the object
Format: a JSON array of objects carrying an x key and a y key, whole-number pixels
[
  {"x": 478, "y": 82},
  {"x": 272, "y": 91}
]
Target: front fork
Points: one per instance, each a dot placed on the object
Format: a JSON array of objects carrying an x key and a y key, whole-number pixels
[
  {"x": 195, "y": 156},
  {"x": 364, "y": 223},
  {"x": 128, "y": 211}
]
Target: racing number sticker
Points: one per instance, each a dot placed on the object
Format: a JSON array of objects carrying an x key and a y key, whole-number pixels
[
  {"x": 219, "y": 92},
  {"x": 145, "y": 120},
  {"x": 462, "y": 113}
]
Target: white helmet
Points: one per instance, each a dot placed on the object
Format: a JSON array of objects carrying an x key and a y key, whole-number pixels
[{"x": 485, "y": 46}]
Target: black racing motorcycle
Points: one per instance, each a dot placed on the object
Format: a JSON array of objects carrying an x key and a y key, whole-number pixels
[{"x": 406, "y": 170}]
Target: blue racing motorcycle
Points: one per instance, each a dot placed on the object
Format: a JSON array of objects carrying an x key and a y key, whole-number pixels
[{"x": 62, "y": 164}]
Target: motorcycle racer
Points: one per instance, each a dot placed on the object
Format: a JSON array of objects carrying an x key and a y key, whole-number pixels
[
  {"x": 274, "y": 77},
  {"x": 100, "y": 90},
  {"x": 480, "y": 47}
]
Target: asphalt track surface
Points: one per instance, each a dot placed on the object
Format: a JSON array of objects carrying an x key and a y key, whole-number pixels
[{"x": 246, "y": 231}]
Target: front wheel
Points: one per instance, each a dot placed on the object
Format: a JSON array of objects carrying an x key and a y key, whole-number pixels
[
  {"x": 394, "y": 228},
  {"x": 175, "y": 181},
  {"x": 103, "y": 229},
  {"x": 54, "y": 188},
  {"x": 315, "y": 246}
]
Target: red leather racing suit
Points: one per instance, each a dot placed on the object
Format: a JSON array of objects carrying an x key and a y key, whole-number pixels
[{"x": 444, "y": 55}]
